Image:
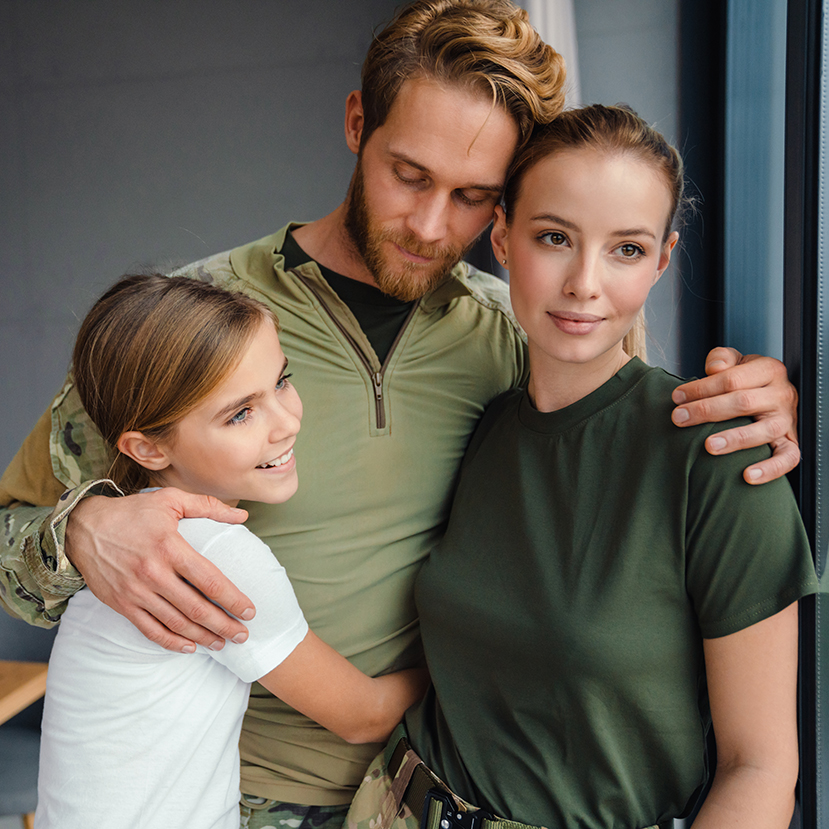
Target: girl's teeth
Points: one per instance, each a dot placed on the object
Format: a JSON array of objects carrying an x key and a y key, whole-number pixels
[{"x": 279, "y": 461}]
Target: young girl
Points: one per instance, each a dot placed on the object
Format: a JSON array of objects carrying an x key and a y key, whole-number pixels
[
  {"x": 189, "y": 384},
  {"x": 605, "y": 589}
]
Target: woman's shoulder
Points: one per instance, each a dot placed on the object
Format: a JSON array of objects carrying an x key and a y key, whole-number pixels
[
  {"x": 499, "y": 412},
  {"x": 653, "y": 401}
]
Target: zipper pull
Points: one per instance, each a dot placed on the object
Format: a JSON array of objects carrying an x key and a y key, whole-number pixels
[{"x": 377, "y": 379}]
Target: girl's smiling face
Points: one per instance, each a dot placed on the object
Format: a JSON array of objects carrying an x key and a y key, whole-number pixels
[
  {"x": 584, "y": 245},
  {"x": 237, "y": 443}
]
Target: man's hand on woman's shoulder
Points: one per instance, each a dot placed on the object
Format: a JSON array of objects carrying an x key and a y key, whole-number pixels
[{"x": 752, "y": 386}]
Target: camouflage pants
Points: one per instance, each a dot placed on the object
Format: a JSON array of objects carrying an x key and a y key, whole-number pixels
[
  {"x": 378, "y": 803},
  {"x": 258, "y": 813}
]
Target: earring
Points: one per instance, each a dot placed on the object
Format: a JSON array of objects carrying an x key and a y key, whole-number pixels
[{"x": 504, "y": 261}]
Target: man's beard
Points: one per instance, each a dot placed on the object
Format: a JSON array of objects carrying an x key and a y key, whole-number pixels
[{"x": 410, "y": 281}]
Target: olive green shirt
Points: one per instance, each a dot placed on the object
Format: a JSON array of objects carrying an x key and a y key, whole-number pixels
[{"x": 589, "y": 552}]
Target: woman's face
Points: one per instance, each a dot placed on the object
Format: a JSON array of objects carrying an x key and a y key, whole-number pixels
[
  {"x": 237, "y": 444},
  {"x": 583, "y": 248}
]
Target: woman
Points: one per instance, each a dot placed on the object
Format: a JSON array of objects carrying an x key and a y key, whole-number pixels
[{"x": 605, "y": 589}]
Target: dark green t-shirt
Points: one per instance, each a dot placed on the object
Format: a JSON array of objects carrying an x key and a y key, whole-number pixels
[{"x": 588, "y": 552}]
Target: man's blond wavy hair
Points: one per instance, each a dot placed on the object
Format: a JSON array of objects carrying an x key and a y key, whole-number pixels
[{"x": 487, "y": 46}]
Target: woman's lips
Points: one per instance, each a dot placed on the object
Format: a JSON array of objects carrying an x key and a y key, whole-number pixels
[{"x": 573, "y": 323}]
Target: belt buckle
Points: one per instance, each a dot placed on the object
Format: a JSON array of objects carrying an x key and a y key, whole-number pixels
[{"x": 450, "y": 817}]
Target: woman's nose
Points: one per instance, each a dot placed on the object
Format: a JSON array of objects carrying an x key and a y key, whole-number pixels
[{"x": 583, "y": 281}]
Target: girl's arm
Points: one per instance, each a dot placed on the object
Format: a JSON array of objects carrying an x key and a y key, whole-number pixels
[
  {"x": 752, "y": 684},
  {"x": 326, "y": 687}
]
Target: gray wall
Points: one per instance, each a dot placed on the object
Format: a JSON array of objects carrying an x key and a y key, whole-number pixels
[
  {"x": 166, "y": 130},
  {"x": 154, "y": 132}
]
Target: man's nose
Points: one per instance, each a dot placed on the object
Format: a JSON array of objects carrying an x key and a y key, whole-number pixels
[{"x": 429, "y": 218}]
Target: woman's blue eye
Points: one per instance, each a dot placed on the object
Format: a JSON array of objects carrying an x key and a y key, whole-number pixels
[{"x": 283, "y": 381}]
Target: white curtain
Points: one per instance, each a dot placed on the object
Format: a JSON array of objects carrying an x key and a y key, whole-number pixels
[{"x": 555, "y": 21}]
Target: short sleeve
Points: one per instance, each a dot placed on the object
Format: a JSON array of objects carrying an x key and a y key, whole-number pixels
[
  {"x": 279, "y": 625},
  {"x": 747, "y": 554}
]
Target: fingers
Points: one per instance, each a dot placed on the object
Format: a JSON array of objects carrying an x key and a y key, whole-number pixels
[
  {"x": 785, "y": 452},
  {"x": 209, "y": 581},
  {"x": 785, "y": 458},
  {"x": 152, "y": 576},
  {"x": 188, "y": 505},
  {"x": 153, "y": 630},
  {"x": 721, "y": 358},
  {"x": 154, "y": 595},
  {"x": 185, "y": 620},
  {"x": 756, "y": 387},
  {"x": 172, "y": 588},
  {"x": 765, "y": 403},
  {"x": 752, "y": 374}
]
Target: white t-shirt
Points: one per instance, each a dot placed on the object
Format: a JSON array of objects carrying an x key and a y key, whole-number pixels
[{"x": 135, "y": 736}]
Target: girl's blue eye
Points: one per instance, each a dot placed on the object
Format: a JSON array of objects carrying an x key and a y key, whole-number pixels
[
  {"x": 241, "y": 416},
  {"x": 283, "y": 381}
]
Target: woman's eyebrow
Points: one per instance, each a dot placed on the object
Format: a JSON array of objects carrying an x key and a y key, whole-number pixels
[
  {"x": 558, "y": 220},
  {"x": 634, "y": 231}
]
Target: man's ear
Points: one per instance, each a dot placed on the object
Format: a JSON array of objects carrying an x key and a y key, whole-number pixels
[
  {"x": 143, "y": 450},
  {"x": 354, "y": 120},
  {"x": 500, "y": 236}
]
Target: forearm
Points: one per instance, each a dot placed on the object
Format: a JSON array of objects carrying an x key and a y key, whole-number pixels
[
  {"x": 323, "y": 685},
  {"x": 752, "y": 689},
  {"x": 22, "y": 568},
  {"x": 62, "y": 450},
  {"x": 377, "y": 711},
  {"x": 749, "y": 796},
  {"x": 36, "y": 578}
]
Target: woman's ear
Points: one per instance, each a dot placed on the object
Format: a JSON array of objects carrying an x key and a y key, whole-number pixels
[
  {"x": 500, "y": 236},
  {"x": 665, "y": 254},
  {"x": 143, "y": 450},
  {"x": 354, "y": 120}
]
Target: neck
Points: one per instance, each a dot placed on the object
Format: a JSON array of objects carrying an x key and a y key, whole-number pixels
[
  {"x": 328, "y": 242},
  {"x": 159, "y": 480},
  {"x": 553, "y": 385}
]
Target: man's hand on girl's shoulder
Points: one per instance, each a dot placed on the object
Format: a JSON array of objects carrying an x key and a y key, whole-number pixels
[{"x": 133, "y": 559}]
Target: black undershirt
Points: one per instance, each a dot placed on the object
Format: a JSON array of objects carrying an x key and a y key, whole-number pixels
[{"x": 380, "y": 316}]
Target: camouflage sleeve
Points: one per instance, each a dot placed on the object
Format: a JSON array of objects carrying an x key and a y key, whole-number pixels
[{"x": 64, "y": 454}]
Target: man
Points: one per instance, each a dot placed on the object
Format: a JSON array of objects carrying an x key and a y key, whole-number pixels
[{"x": 397, "y": 350}]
